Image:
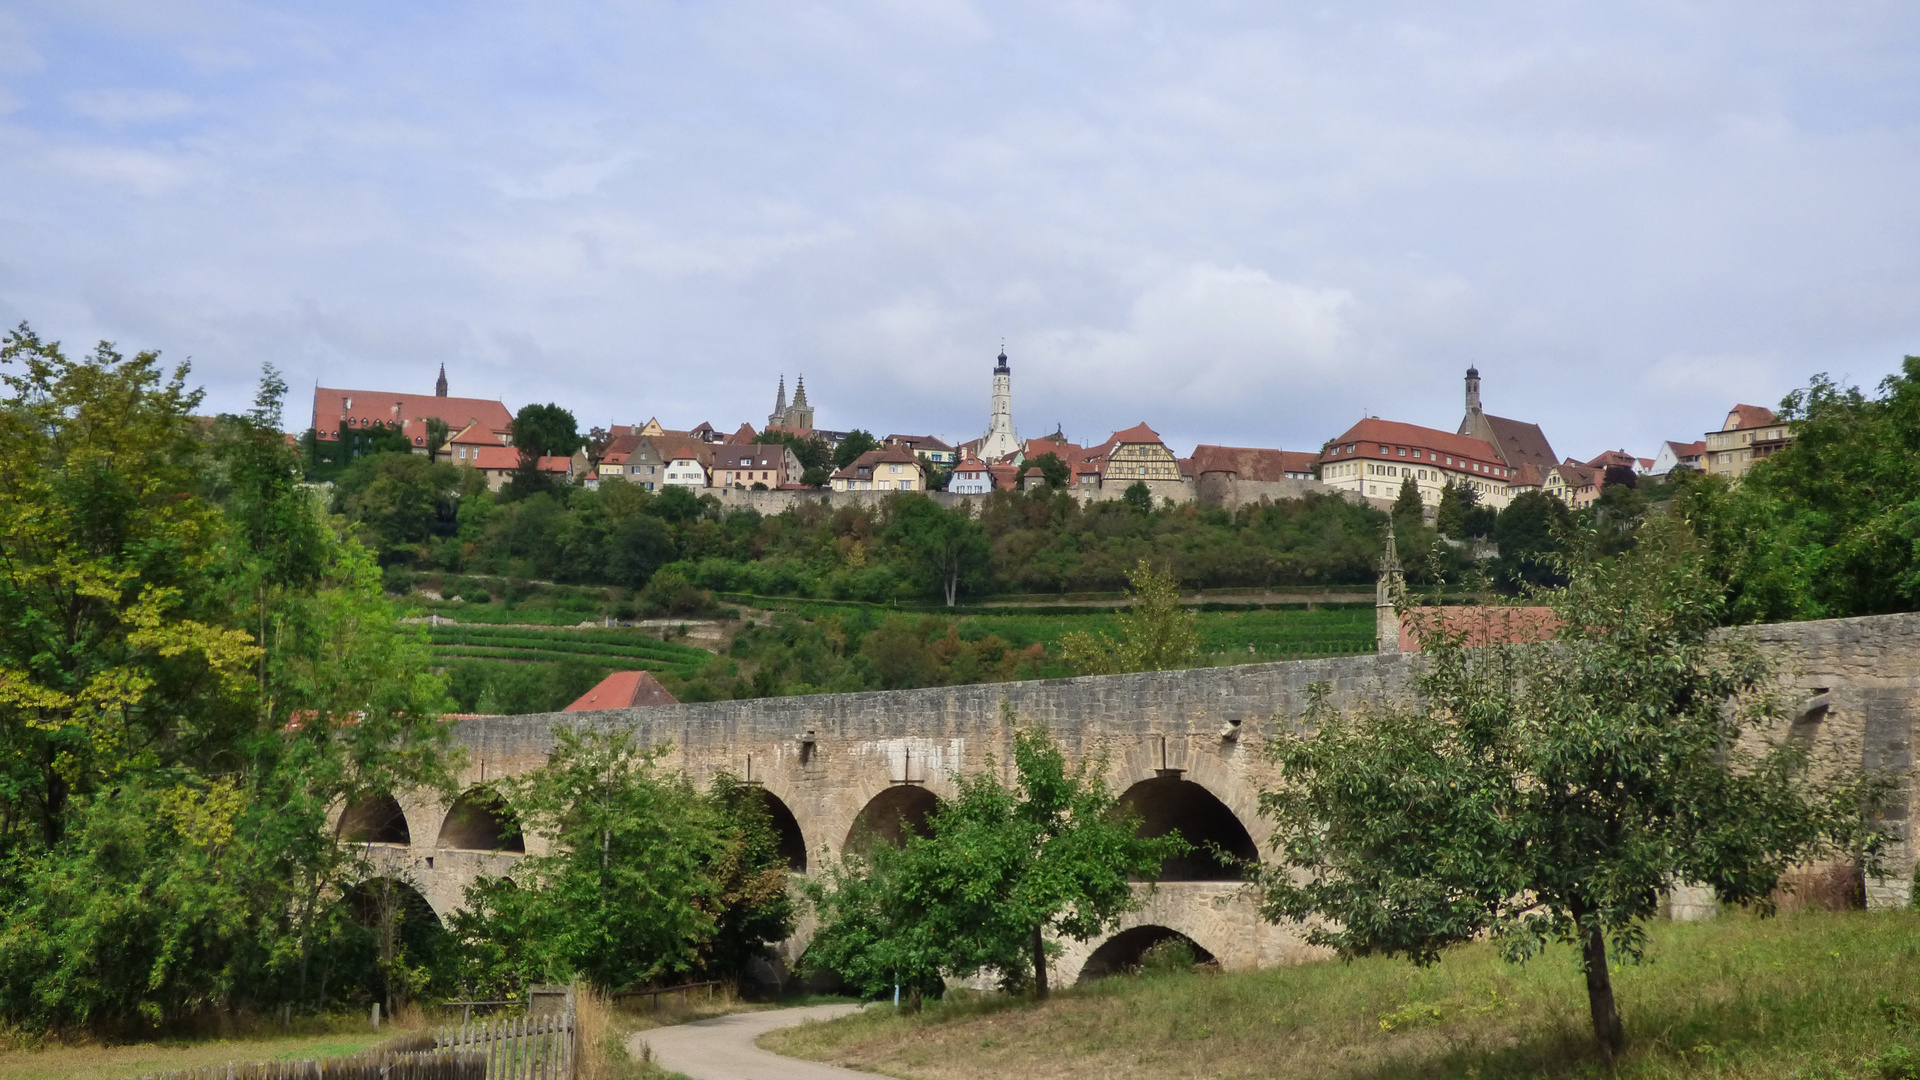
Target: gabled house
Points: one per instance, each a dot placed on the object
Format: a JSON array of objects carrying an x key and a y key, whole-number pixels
[
  {"x": 499, "y": 463},
  {"x": 935, "y": 450},
  {"x": 633, "y": 459},
  {"x": 1136, "y": 454},
  {"x": 745, "y": 465},
  {"x": 1750, "y": 434},
  {"x": 1573, "y": 483},
  {"x": 1679, "y": 455},
  {"x": 970, "y": 477},
  {"x": 685, "y": 462},
  {"x": 890, "y": 468}
]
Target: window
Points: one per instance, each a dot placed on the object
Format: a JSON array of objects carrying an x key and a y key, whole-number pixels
[
  {"x": 1384, "y": 450},
  {"x": 745, "y": 461},
  {"x": 1416, "y": 453},
  {"x": 1349, "y": 448}
]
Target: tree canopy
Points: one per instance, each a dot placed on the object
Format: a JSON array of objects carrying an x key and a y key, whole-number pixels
[{"x": 1542, "y": 794}]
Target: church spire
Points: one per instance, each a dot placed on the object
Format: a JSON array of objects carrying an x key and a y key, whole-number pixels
[
  {"x": 800, "y": 392},
  {"x": 780, "y": 400},
  {"x": 440, "y": 387}
]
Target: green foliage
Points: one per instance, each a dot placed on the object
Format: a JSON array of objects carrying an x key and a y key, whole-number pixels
[
  {"x": 1137, "y": 497},
  {"x": 1157, "y": 634},
  {"x": 646, "y": 880},
  {"x": 1052, "y": 470},
  {"x": 401, "y": 501},
  {"x": 1828, "y": 526},
  {"x": 946, "y": 549},
  {"x": 999, "y": 869},
  {"x": 1408, "y": 509},
  {"x": 1459, "y": 515},
  {"x": 1528, "y": 533},
  {"x": 195, "y": 671},
  {"x": 856, "y": 443},
  {"x": 1539, "y": 794}
]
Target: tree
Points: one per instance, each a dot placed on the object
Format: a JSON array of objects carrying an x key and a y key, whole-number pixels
[
  {"x": 1052, "y": 470},
  {"x": 1138, "y": 496},
  {"x": 1824, "y": 527},
  {"x": 402, "y": 500},
  {"x": 1539, "y": 794},
  {"x": 596, "y": 443},
  {"x": 999, "y": 870},
  {"x": 542, "y": 431},
  {"x": 947, "y": 547},
  {"x": 1408, "y": 509},
  {"x": 1457, "y": 501},
  {"x": 1156, "y": 633},
  {"x": 1527, "y": 533},
  {"x": 624, "y": 897},
  {"x": 856, "y": 443},
  {"x": 437, "y": 436}
]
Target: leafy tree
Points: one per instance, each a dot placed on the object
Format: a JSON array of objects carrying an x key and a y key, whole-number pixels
[
  {"x": 1541, "y": 794},
  {"x": 112, "y": 645},
  {"x": 1452, "y": 518},
  {"x": 437, "y": 435},
  {"x": 1826, "y": 526},
  {"x": 1527, "y": 533},
  {"x": 1619, "y": 475},
  {"x": 1408, "y": 509},
  {"x": 856, "y": 443},
  {"x": 1156, "y": 633},
  {"x": 1137, "y": 496},
  {"x": 541, "y": 431},
  {"x": 948, "y": 548},
  {"x": 816, "y": 461},
  {"x": 402, "y": 500},
  {"x": 642, "y": 874},
  {"x": 999, "y": 870},
  {"x": 595, "y": 444},
  {"x": 936, "y": 475},
  {"x": 1052, "y": 470},
  {"x": 228, "y": 673}
]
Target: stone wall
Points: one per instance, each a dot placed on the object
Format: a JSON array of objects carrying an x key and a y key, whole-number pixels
[{"x": 1855, "y": 685}]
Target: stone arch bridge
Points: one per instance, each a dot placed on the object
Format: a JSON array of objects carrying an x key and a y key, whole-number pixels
[{"x": 1183, "y": 747}]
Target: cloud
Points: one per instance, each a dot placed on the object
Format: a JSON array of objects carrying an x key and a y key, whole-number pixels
[{"x": 130, "y": 106}]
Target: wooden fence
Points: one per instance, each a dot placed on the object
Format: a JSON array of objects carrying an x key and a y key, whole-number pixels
[
  {"x": 517, "y": 1048},
  {"x": 685, "y": 992}
]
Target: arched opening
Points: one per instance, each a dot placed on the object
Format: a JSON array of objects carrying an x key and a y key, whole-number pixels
[
  {"x": 786, "y": 829},
  {"x": 1169, "y": 804},
  {"x": 891, "y": 816},
  {"x": 481, "y": 821},
  {"x": 1123, "y": 953},
  {"x": 397, "y": 951},
  {"x": 376, "y": 819}
]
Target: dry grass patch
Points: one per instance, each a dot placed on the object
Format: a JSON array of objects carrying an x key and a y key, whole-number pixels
[
  {"x": 1812, "y": 995},
  {"x": 101, "y": 1062}
]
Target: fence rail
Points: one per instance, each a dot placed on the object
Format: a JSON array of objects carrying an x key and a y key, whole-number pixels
[
  {"x": 517, "y": 1048},
  {"x": 685, "y": 992}
]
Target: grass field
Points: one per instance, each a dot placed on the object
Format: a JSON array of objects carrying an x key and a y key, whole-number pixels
[
  {"x": 115, "y": 1062},
  {"x": 1809, "y": 996},
  {"x": 626, "y": 649},
  {"x": 1225, "y": 636}
]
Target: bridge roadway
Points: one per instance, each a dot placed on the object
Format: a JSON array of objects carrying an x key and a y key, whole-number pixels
[{"x": 1182, "y": 747}]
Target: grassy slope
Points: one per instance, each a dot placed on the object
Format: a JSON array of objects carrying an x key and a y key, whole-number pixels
[
  {"x": 1737, "y": 998},
  {"x": 112, "y": 1062}
]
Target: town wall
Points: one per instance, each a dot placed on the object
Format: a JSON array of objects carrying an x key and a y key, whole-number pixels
[{"x": 1854, "y": 685}]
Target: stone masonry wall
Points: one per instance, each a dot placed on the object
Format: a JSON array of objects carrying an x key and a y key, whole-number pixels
[{"x": 1855, "y": 686}]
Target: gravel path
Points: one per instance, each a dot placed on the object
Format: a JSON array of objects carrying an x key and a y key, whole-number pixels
[{"x": 722, "y": 1048}]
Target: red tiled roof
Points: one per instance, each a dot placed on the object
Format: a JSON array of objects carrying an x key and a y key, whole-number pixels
[
  {"x": 1004, "y": 475},
  {"x": 506, "y": 457},
  {"x": 744, "y": 434},
  {"x": 1377, "y": 432},
  {"x": 1138, "y": 433},
  {"x": 1520, "y": 443},
  {"x": 624, "y": 690},
  {"x": 885, "y": 455},
  {"x": 972, "y": 464},
  {"x": 1688, "y": 449},
  {"x": 1749, "y": 416},
  {"x": 1612, "y": 457},
  {"x": 1250, "y": 463},
  {"x": 408, "y": 412}
]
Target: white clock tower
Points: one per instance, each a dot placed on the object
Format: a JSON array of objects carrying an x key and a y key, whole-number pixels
[{"x": 1000, "y": 441}]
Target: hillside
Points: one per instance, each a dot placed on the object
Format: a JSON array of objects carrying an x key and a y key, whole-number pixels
[{"x": 1808, "y": 995}]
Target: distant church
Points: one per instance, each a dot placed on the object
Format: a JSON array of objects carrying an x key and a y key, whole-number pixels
[{"x": 795, "y": 417}]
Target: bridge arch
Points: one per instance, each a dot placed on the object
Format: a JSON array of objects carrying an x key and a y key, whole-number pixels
[
  {"x": 1168, "y": 803},
  {"x": 397, "y": 926},
  {"x": 480, "y": 820},
  {"x": 792, "y": 842},
  {"x": 898, "y": 811},
  {"x": 1122, "y": 952},
  {"x": 376, "y": 819}
]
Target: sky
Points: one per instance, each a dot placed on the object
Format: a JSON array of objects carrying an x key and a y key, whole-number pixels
[{"x": 1249, "y": 224}]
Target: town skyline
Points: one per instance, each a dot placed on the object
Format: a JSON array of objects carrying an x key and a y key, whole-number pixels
[{"x": 1254, "y": 220}]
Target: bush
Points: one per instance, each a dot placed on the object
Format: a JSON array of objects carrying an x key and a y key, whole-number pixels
[{"x": 477, "y": 596}]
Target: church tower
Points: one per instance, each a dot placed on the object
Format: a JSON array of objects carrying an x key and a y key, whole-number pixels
[
  {"x": 800, "y": 414},
  {"x": 1388, "y": 587},
  {"x": 1000, "y": 441},
  {"x": 440, "y": 388},
  {"x": 778, "y": 418}
]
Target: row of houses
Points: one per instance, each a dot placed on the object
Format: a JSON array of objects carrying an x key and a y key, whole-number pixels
[{"x": 1495, "y": 457}]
